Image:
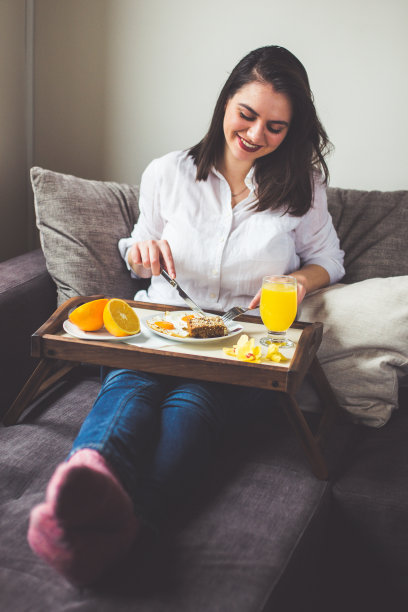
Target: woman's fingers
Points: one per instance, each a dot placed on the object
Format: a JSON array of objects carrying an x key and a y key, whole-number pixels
[
  {"x": 134, "y": 256},
  {"x": 154, "y": 259},
  {"x": 144, "y": 250},
  {"x": 301, "y": 292},
  {"x": 152, "y": 255},
  {"x": 255, "y": 301},
  {"x": 167, "y": 258}
]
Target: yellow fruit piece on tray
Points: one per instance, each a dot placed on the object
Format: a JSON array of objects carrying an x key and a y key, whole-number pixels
[
  {"x": 273, "y": 353},
  {"x": 89, "y": 316},
  {"x": 120, "y": 319},
  {"x": 245, "y": 350}
]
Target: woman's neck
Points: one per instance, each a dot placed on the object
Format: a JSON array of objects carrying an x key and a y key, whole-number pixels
[{"x": 234, "y": 172}]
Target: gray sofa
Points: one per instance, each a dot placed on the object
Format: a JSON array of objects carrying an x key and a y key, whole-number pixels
[{"x": 262, "y": 533}]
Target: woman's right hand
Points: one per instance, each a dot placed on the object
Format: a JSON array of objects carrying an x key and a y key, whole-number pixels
[{"x": 148, "y": 256}]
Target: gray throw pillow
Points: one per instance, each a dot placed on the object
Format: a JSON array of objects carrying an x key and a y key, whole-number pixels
[
  {"x": 80, "y": 222},
  {"x": 372, "y": 227}
]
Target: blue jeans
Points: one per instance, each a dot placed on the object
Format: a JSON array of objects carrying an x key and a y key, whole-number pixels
[{"x": 159, "y": 433}]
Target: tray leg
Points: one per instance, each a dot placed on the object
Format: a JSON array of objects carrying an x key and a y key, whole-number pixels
[
  {"x": 47, "y": 373},
  {"x": 330, "y": 407},
  {"x": 308, "y": 440}
]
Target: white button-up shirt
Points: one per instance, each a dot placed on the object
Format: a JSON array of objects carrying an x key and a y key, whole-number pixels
[{"x": 221, "y": 253}]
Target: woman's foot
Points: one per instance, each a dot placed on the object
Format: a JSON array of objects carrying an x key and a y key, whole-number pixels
[{"x": 86, "y": 523}]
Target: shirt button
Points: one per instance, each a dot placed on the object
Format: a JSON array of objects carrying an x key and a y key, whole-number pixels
[{"x": 212, "y": 296}]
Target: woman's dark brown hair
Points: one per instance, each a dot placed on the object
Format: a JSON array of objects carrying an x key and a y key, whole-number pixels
[{"x": 284, "y": 177}]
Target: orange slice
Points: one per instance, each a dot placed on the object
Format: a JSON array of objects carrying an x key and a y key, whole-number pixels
[
  {"x": 89, "y": 316},
  {"x": 120, "y": 319}
]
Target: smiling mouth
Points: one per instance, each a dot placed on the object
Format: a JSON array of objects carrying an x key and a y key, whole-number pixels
[{"x": 247, "y": 146}]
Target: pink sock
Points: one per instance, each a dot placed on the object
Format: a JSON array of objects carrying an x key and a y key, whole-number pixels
[{"x": 87, "y": 522}]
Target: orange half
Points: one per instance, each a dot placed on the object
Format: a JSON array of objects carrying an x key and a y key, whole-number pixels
[
  {"x": 120, "y": 319},
  {"x": 89, "y": 316}
]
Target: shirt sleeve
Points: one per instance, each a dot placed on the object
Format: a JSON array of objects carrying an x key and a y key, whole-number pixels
[
  {"x": 150, "y": 223},
  {"x": 316, "y": 239}
]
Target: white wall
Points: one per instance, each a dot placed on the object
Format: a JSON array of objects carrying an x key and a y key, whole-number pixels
[
  {"x": 13, "y": 210},
  {"x": 118, "y": 82},
  {"x": 70, "y": 90},
  {"x": 166, "y": 62},
  {"x": 122, "y": 81}
]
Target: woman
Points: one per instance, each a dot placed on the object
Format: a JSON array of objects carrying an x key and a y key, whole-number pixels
[{"x": 246, "y": 201}]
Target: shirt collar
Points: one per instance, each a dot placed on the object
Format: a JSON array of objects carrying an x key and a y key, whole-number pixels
[{"x": 249, "y": 179}]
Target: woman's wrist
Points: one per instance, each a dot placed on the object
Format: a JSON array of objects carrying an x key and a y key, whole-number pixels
[{"x": 310, "y": 278}]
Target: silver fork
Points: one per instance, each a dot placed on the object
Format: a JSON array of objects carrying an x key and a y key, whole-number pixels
[{"x": 232, "y": 313}]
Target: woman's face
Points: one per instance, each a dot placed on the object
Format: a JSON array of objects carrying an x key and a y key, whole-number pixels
[{"x": 256, "y": 122}]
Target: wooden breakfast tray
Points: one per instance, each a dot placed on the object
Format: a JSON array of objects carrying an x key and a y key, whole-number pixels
[{"x": 59, "y": 353}]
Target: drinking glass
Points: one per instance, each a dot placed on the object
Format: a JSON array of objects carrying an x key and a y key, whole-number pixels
[{"x": 278, "y": 308}]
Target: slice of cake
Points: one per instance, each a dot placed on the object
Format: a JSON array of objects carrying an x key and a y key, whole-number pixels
[{"x": 206, "y": 327}]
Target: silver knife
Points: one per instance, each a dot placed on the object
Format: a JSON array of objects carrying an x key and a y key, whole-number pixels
[{"x": 182, "y": 293}]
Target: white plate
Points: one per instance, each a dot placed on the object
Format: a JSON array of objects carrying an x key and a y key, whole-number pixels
[
  {"x": 174, "y": 316},
  {"x": 101, "y": 334}
]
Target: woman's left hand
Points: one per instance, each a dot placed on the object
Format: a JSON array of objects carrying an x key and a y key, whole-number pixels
[{"x": 301, "y": 292}]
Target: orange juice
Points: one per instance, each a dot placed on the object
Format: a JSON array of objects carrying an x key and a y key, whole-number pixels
[{"x": 278, "y": 305}]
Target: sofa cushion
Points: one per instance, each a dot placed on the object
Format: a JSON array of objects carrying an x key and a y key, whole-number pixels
[
  {"x": 364, "y": 351},
  {"x": 372, "y": 229},
  {"x": 256, "y": 528},
  {"x": 371, "y": 512},
  {"x": 80, "y": 222}
]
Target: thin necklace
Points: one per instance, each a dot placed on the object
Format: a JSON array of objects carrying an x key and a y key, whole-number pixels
[{"x": 235, "y": 195}]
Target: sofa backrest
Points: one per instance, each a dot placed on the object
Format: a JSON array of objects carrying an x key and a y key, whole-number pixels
[
  {"x": 81, "y": 221},
  {"x": 372, "y": 227}
]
